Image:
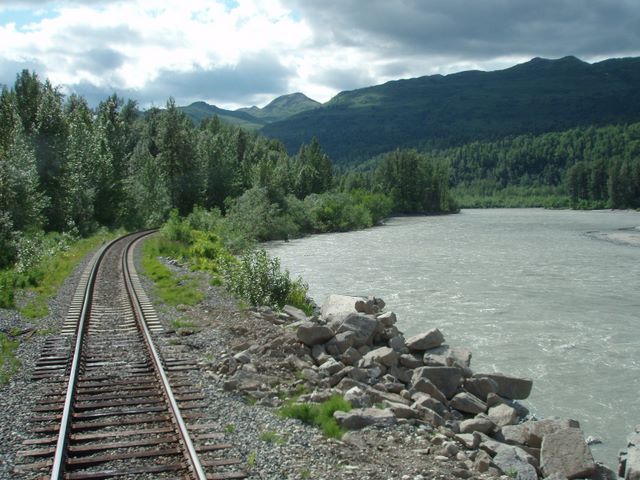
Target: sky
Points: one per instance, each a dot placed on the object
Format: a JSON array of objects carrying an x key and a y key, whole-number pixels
[{"x": 238, "y": 53}]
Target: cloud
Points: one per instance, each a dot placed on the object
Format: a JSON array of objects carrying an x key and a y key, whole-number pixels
[
  {"x": 481, "y": 31},
  {"x": 252, "y": 79},
  {"x": 241, "y": 52}
]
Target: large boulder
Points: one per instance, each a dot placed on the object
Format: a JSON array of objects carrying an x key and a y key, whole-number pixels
[
  {"x": 426, "y": 386},
  {"x": 447, "y": 356},
  {"x": 630, "y": 458},
  {"x": 446, "y": 379},
  {"x": 384, "y": 355},
  {"x": 514, "y": 388},
  {"x": 369, "y": 305},
  {"x": 467, "y": 403},
  {"x": 503, "y": 414},
  {"x": 539, "y": 428},
  {"x": 481, "y": 387},
  {"x": 312, "y": 334},
  {"x": 480, "y": 423},
  {"x": 363, "y": 417},
  {"x": 512, "y": 462},
  {"x": 424, "y": 341},
  {"x": 566, "y": 452},
  {"x": 295, "y": 313},
  {"x": 363, "y": 327},
  {"x": 338, "y": 307}
]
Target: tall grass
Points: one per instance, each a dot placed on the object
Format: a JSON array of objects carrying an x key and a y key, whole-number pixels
[{"x": 320, "y": 415}]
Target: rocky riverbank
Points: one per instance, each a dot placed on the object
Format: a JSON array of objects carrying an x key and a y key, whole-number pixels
[{"x": 354, "y": 348}]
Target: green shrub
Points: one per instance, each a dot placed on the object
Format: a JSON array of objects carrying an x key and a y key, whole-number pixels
[
  {"x": 259, "y": 280},
  {"x": 320, "y": 415}
]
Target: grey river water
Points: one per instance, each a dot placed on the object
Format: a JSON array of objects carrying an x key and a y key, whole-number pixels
[{"x": 530, "y": 291}]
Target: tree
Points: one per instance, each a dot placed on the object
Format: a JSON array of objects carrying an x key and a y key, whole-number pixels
[{"x": 21, "y": 202}]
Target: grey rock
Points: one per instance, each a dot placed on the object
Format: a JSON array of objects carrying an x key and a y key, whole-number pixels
[
  {"x": 358, "y": 397},
  {"x": 515, "y": 434},
  {"x": 482, "y": 462},
  {"x": 397, "y": 343},
  {"x": 313, "y": 334},
  {"x": 481, "y": 387},
  {"x": 338, "y": 307},
  {"x": 387, "y": 319},
  {"x": 481, "y": 423},
  {"x": 425, "y": 385},
  {"x": 295, "y": 313},
  {"x": 331, "y": 366},
  {"x": 511, "y": 460},
  {"x": 447, "y": 356},
  {"x": 515, "y": 388},
  {"x": 566, "y": 452},
  {"x": 469, "y": 440},
  {"x": 427, "y": 401},
  {"x": 363, "y": 417},
  {"x": 424, "y": 341},
  {"x": 538, "y": 429},
  {"x": 384, "y": 355},
  {"x": 400, "y": 410},
  {"x": 467, "y": 403},
  {"x": 351, "y": 356},
  {"x": 362, "y": 326},
  {"x": 369, "y": 305},
  {"x": 503, "y": 415},
  {"x": 401, "y": 374},
  {"x": 411, "y": 360},
  {"x": 446, "y": 379}
]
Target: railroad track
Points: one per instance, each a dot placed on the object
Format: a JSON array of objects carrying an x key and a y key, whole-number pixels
[{"x": 111, "y": 405}]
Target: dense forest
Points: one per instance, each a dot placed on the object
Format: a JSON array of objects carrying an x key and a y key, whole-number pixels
[
  {"x": 591, "y": 167},
  {"x": 65, "y": 167}
]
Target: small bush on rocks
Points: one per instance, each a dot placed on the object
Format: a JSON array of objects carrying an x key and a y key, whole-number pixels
[
  {"x": 259, "y": 280},
  {"x": 320, "y": 415}
]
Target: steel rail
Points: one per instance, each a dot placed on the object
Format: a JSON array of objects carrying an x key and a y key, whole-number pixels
[
  {"x": 191, "y": 454},
  {"x": 57, "y": 470}
]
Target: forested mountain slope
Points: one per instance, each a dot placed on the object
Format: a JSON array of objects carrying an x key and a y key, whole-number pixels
[{"x": 443, "y": 111}]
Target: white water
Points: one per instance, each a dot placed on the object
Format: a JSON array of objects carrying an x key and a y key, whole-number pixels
[{"x": 529, "y": 291}]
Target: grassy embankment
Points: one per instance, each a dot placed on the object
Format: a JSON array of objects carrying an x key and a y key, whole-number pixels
[{"x": 45, "y": 262}]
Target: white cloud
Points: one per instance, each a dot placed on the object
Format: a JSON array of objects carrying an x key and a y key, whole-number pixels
[{"x": 222, "y": 51}]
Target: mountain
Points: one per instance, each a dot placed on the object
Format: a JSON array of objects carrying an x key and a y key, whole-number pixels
[
  {"x": 538, "y": 96},
  {"x": 198, "y": 111},
  {"x": 282, "y": 107},
  {"x": 253, "y": 118}
]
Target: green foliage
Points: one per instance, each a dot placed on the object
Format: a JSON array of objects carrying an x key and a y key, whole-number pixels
[
  {"x": 9, "y": 364},
  {"x": 416, "y": 183},
  {"x": 331, "y": 212},
  {"x": 44, "y": 262},
  {"x": 270, "y": 436},
  {"x": 172, "y": 289},
  {"x": 320, "y": 415},
  {"x": 258, "y": 279}
]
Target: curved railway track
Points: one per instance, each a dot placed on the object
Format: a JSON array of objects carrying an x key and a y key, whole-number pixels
[{"x": 113, "y": 407}]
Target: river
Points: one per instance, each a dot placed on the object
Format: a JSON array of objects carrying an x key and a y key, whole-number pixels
[{"x": 532, "y": 292}]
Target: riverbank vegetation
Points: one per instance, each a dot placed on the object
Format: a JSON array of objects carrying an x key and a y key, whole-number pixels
[{"x": 584, "y": 168}]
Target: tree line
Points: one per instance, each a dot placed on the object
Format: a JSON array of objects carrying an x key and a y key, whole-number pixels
[
  {"x": 66, "y": 167},
  {"x": 590, "y": 167}
]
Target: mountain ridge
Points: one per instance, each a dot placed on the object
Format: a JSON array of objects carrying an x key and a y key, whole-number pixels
[{"x": 536, "y": 96}]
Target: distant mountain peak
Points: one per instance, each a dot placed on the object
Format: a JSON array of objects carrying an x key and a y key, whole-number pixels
[{"x": 282, "y": 107}]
